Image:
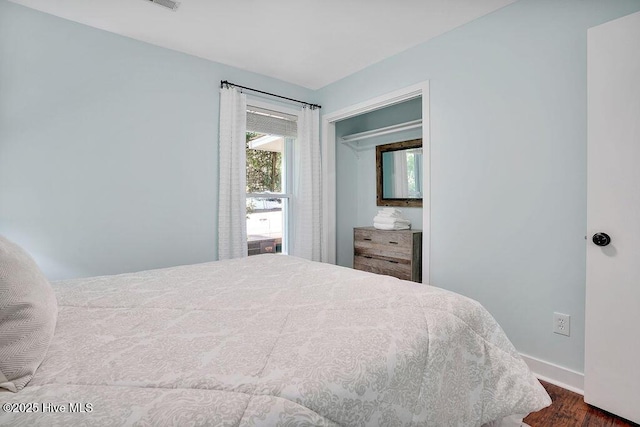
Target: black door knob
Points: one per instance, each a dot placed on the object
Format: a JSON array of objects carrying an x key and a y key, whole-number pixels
[{"x": 601, "y": 239}]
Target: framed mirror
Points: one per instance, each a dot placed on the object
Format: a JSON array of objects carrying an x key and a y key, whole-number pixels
[{"x": 399, "y": 174}]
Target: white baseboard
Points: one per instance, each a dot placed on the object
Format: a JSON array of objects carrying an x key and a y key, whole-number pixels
[{"x": 554, "y": 374}]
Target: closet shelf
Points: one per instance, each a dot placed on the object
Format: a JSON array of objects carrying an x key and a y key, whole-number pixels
[
  {"x": 352, "y": 141},
  {"x": 382, "y": 131}
]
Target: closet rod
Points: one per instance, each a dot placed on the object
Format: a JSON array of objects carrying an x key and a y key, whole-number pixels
[
  {"x": 383, "y": 131},
  {"x": 228, "y": 83}
]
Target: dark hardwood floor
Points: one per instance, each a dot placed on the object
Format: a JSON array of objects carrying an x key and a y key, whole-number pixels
[{"x": 568, "y": 409}]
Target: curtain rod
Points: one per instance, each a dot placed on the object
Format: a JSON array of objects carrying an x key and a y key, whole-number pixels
[{"x": 228, "y": 83}]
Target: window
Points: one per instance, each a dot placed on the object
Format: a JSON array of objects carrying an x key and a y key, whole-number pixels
[{"x": 270, "y": 138}]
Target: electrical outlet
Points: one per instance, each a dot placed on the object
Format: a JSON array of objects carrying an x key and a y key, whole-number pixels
[{"x": 562, "y": 324}]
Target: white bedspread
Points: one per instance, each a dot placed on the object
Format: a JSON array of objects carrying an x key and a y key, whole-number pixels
[{"x": 272, "y": 340}]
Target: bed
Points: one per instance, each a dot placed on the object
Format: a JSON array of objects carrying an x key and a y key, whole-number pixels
[{"x": 271, "y": 340}]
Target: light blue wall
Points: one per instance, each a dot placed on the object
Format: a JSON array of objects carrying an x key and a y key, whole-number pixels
[
  {"x": 508, "y": 161},
  {"x": 108, "y": 146},
  {"x": 356, "y": 195}
]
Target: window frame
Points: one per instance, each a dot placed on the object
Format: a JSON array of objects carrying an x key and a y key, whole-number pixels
[{"x": 288, "y": 170}]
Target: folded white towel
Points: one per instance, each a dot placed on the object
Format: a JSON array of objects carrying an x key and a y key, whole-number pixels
[
  {"x": 390, "y": 220},
  {"x": 391, "y": 210},
  {"x": 390, "y": 214},
  {"x": 391, "y": 226}
]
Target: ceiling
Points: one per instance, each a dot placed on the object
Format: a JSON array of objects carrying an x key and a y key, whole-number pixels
[{"x": 310, "y": 43}]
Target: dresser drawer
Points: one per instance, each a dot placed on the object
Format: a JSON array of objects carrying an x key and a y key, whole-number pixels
[
  {"x": 376, "y": 250},
  {"x": 390, "y": 244},
  {"x": 395, "y": 268},
  {"x": 400, "y": 239}
]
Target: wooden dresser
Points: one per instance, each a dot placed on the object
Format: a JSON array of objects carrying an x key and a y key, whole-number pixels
[{"x": 395, "y": 253}]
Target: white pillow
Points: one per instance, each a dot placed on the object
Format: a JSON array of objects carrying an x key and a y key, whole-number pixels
[{"x": 28, "y": 312}]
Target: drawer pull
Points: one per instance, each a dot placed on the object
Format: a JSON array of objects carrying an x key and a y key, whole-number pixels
[
  {"x": 368, "y": 257},
  {"x": 394, "y": 243},
  {"x": 366, "y": 238},
  {"x": 393, "y": 262}
]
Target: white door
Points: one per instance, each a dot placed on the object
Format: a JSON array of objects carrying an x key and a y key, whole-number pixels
[{"x": 612, "y": 348}]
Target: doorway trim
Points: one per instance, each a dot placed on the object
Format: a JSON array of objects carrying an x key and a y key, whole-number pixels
[{"x": 329, "y": 166}]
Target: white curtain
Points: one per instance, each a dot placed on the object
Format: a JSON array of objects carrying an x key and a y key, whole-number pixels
[
  {"x": 307, "y": 189},
  {"x": 400, "y": 177},
  {"x": 232, "y": 209}
]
